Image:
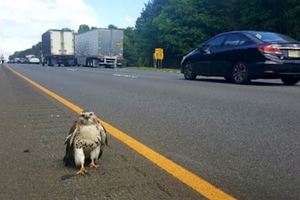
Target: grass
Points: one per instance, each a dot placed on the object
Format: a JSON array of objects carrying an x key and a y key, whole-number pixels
[{"x": 170, "y": 70}]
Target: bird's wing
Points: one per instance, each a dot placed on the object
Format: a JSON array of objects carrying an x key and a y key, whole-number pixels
[
  {"x": 103, "y": 134},
  {"x": 73, "y": 127},
  {"x": 69, "y": 142},
  {"x": 102, "y": 139},
  {"x": 72, "y": 132}
]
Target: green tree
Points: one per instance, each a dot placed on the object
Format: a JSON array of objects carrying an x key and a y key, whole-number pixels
[
  {"x": 178, "y": 26},
  {"x": 83, "y": 28},
  {"x": 147, "y": 31},
  {"x": 130, "y": 54},
  {"x": 34, "y": 50},
  {"x": 111, "y": 26}
]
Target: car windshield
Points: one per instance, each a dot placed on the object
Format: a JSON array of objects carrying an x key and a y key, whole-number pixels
[{"x": 272, "y": 37}]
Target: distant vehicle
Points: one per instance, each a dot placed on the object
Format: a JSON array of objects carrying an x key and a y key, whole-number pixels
[
  {"x": 16, "y": 60},
  {"x": 20, "y": 60},
  {"x": 99, "y": 47},
  {"x": 58, "y": 47},
  {"x": 240, "y": 56},
  {"x": 33, "y": 59}
]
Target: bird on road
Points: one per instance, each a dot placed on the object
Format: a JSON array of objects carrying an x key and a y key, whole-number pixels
[{"x": 85, "y": 140}]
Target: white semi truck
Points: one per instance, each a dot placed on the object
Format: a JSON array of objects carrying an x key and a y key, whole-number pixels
[
  {"x": 58, "y": 47},
  {"x": 99, "y": 47}
]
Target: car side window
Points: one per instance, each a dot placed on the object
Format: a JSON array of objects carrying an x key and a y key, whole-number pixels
[
  {"x": 211, "y": 45},
  {"x": 216, "y": 42},
  {"x": 237, "y": 40}
]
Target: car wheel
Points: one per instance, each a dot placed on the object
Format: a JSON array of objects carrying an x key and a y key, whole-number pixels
[
  {"x": 290, "y": 80},
  {"x": 240, "y": 73},
  {"x": 188, "y": 71}
]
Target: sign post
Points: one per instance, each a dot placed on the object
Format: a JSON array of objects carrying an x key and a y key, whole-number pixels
[{"x": 158, "y": 57}]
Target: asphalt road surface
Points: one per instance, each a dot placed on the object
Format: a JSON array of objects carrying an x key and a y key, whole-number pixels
[
  {"x": 243, "y": 139},
  {"x": 33, "y": 128}
]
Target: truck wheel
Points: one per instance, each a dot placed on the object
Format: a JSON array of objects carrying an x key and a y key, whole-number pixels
[
  {"x": 49, "y": 62},
  {"x": 87, "y": 62},
  {"x": 92, "y": 63}
]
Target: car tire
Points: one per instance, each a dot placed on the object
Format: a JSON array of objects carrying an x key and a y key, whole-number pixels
[
  {"x": 188, "y": 71},
  {"x": 290, "y": 80},
  {"x": 240, "y": 73}
]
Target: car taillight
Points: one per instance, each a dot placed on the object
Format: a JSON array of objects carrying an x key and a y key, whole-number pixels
[{"x": 270, "y": 49}]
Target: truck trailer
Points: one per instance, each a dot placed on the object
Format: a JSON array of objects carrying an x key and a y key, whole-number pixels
[
  {"x": 99, "y": 47},
  {"x": 58, "y": 47}
]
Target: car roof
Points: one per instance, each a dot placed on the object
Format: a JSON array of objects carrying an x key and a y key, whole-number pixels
[{"x": 245, "y": 31}]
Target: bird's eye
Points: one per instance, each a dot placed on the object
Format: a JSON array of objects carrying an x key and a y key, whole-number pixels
[
  {"x": 82, "y": 115},
  {"x": 91, "y": 114}
]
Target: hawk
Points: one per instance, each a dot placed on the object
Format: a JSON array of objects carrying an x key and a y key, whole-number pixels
[{"x": 85, "y": 140}]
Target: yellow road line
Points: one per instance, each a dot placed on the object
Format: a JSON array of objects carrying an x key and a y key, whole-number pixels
[{"x": 192, "y": 180}]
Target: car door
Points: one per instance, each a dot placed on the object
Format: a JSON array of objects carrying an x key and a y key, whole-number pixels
[
  {"x": 233, "y": 49},
  {"x": 206, "y": 56}
]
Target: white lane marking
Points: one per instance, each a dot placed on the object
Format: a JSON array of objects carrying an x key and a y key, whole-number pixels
[
  {"x": 95, "y": 71},
  {"x": 125, "y": 75},
  {"x": 73, "y": 70}
]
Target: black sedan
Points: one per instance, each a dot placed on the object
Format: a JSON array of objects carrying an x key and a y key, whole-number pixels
[{"x": 240, "y": 56}]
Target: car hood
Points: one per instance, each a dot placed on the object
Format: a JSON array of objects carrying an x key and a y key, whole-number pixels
[{"x": 187, "y": 55}]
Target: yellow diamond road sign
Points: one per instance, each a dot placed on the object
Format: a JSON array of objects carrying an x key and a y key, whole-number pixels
[{"x": 159, "y": 54}]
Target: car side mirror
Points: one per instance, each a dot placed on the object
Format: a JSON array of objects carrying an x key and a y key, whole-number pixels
[
  {"x": 206, "y": 50},
  {"x": 203, "y": 49}
]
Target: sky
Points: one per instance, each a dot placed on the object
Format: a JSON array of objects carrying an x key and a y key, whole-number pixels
[{"x": 22, "y": 22}]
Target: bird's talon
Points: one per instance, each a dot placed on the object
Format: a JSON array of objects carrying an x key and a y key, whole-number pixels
[
  {"x": 82, "y": 171},
  {"x": 93, "y": 165}
]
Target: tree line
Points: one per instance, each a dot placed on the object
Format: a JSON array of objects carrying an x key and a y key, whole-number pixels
[
  {"x": 34, "y": 50},
  {"x": 178, "y": 26}
]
